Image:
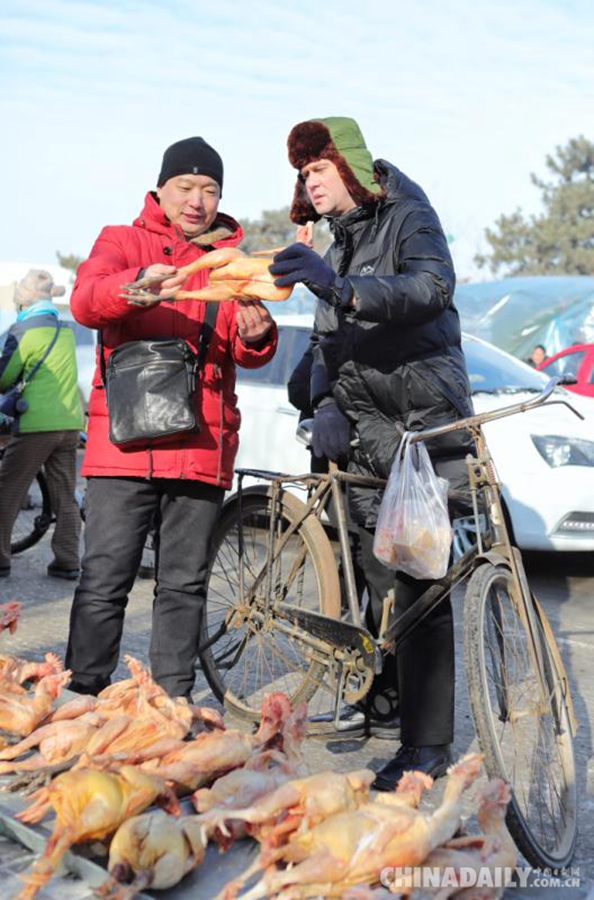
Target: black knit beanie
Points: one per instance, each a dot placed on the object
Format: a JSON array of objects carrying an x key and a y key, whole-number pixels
[{"x": 192, "y": 156}]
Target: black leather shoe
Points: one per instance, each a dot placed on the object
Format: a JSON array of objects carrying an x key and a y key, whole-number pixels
[
  {"x": 432, "y": 760},
  {"x": 353, "y": 723},
  {"x": 58, "y": 572},
  {"x": 92, "y": 689},
  {"x": 4, "y": 571}
]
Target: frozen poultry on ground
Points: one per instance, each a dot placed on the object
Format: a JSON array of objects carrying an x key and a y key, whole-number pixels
[
  {"x": 57, "y": 742},
  {"x": 90, "y": 805},
  {"x": 261, "y": 774},
  {"x": 233, "y": 276},
  {"x": 14, "y": 671},
  {"x": 353, "y": 846},
  {"x": 99, "y": 730},
  {"x": 193, "y": 764},
  {"x": 492, "y": 850},
  {"x": 229, "y": 788},
  {"x": 9, "y": 616},
  {"x": 294, "y": 807},
  {"x": 20, "y": 713},
  {"x": 153, "y": 850}
]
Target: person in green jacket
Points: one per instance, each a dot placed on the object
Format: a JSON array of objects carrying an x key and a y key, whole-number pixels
[{"x": 47, "y": 433}]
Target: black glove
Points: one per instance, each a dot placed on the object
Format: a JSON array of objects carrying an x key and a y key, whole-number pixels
[
  {"x": 331, "y": 433},
  {"x": 299, "y": 263}
]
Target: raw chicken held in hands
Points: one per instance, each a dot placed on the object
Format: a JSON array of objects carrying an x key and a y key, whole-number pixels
[{"x": 233, "y": 276}]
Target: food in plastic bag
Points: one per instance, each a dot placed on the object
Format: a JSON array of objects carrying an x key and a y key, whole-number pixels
[{"x": 413, "y": 532}]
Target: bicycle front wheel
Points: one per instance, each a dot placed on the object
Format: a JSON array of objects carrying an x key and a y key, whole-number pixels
[
  {"x": 248, "y": 651},
  {"x": 524, "y": 732},
  {"x": 34, "y": 518}
]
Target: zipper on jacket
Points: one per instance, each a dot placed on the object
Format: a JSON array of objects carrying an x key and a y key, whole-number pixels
[{"x": 150, "y": 463}]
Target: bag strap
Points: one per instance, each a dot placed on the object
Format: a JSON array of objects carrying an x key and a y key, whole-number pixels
[
  {"x": 40, "y": 362},
  {"x": 206, "y": 333}
]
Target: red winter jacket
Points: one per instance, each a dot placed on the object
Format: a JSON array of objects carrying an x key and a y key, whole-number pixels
[{"x": 116, "y": 258}]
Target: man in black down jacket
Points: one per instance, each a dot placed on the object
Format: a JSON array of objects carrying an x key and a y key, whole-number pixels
[{"x": 385, "y": 357}]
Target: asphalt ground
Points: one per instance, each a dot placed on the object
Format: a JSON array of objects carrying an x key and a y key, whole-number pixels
[{"x": 563, "y": 582}]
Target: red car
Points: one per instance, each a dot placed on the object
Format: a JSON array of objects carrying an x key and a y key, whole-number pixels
[{"x": 576, "y": 360}]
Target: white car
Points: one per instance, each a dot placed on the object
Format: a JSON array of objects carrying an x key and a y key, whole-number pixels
[{"x": 544, "y": 457}]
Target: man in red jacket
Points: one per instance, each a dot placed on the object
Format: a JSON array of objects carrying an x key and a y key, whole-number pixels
[{"x": 180, "y": 483}]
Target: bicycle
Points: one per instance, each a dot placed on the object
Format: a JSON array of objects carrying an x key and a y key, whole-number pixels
[{"x": 272, "y": 622}]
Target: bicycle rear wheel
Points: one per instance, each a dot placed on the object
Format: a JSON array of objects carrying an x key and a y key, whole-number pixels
[
  {"x": 526, "y": 739},
  {"x": 250, "y": 653},
  {"x": 34, "y": 518}
]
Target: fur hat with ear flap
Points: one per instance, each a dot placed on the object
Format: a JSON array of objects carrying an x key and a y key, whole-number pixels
[
  {"x": 36, "y": 285},
  {"x": 339, "y": 140}
]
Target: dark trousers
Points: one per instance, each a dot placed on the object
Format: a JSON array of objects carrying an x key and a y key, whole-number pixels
[
  {"x": 420, "y": 676},
  {"x": 120, "y": 512},
  {"x": 24, "y": 456}
]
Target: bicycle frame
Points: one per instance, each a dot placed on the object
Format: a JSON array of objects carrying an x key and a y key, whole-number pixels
[{"x": 495, "y": 546}]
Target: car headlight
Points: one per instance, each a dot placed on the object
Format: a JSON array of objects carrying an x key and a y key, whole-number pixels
[{"x": 557, "y": 450}]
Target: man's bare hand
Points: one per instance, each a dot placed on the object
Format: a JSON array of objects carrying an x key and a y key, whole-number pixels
[
  {"x": 162, "y": 288},
  {"x": 253, "y": 321}
]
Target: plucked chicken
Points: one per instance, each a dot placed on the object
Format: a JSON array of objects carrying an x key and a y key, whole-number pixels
[
  {"x": 57, "y": 742},
  {"x": 9, "y": 616},
  {"x": 352, "y": 846},
  {"x": 294, "y": 807},
  {"x": 494, "y": 849},
  {"x": 90, "y": 805},
  {"x": 233, "y": 276},
  {"x": 20, "y": 713},
  {"x": 152, "y": 850},
  {"x": 193, "y": 764},
  {"x": 14, "y": 671}
]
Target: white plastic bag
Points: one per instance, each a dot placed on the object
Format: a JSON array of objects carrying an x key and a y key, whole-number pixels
[{"x": 413, "y": 532}]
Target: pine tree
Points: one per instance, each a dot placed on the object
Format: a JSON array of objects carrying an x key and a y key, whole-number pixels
[{"x": 560, "y": 241}]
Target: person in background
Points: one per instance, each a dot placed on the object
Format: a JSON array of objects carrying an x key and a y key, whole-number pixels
[
  {"x": 180, "y": 483},
  {"x": 386, "y": 357},
  {"x": 538, "y": 356},
  {"x": 47, "y": 433}
]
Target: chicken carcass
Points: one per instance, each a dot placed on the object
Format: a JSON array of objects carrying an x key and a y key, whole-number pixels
[
  {"x": 20, "y": 713},
  {"x": 295, "y": 806},
  {"x": 90, "y": 805},
  {"x": 233, "y": 276},
  {"x": 353, "y": 846},
  {"x": 14, "y": 671},
  {"x": 155, "y": 850},
  {"x": 57, "y": 742},
  {"x": 9, "y": 616},
  {"x": 193, "y": 764},
  {"x": 494, "y": 849}
]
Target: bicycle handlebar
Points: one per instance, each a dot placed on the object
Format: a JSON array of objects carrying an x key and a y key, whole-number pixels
[
  {"x": 503, "y": 412},
  {"x": 304, "y": 427}
]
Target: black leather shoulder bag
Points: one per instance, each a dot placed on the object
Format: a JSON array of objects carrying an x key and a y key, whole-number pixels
[{"x": 150, "y": 386}]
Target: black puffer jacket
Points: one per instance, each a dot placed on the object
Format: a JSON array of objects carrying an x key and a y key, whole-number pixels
[{"x": 395, "y": 362}]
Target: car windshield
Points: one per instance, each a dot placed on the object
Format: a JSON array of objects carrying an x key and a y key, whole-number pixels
[{"x": 494, "y": 371}]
